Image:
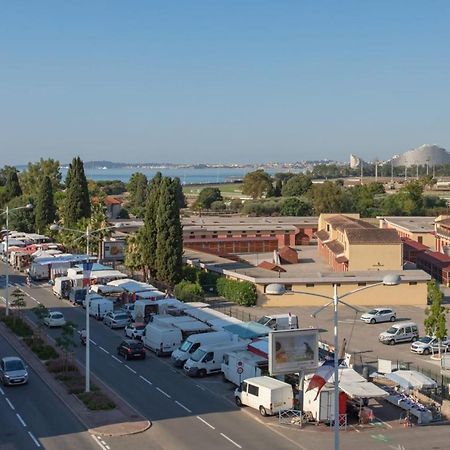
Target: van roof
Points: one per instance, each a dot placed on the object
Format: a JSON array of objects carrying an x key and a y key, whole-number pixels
[
  {"x": 267, "y": 382},
  {"x": 404, "y": 324},
  {"x": 224, "y": 346}
]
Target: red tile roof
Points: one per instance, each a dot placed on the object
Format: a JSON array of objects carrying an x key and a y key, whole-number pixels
[
  {"x": 110, "y": 200},
  {"x": 271, "y": 266},
  {"x": 414, "y": 244}
]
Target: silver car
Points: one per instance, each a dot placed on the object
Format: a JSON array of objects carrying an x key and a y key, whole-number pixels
[
  {"x": 13, "y": 371},
  {"x": 116, "y": 319},
  {"x": 377, "y": 315}
]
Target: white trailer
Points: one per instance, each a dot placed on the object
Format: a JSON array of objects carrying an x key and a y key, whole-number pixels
[{"x": 238, "y": 366}]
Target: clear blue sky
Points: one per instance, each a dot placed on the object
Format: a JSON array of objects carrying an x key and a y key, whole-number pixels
[{"x": 222, "y": 81}]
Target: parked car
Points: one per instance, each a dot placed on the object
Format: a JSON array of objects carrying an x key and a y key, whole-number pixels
[
  {"x": 135, "y": 330},
  {"x": 377, "y": 315},
  {"x": 400, "y": 332},
  {"x": 54, "y": 319},
  {"x": 114, "y": 319},
  {"x": 13, "y": 371},
  {"x": 131, "y": 349},
  {"x": 427, "y": 344}
]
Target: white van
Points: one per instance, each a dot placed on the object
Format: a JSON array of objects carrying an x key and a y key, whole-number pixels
[
  {"x": 193, "y": 342},
  {"x": 238, "y": 366},
  {"x": 208, "y": 359},
  {"x": 280, "y": 321},
  {"x": 266, "y": 394},
  {"x": 400, "y": 332},
  {"x": 61, "y": 287},
  {"x": 98, "y": 307},
  {"x": 162, "y": 339}
]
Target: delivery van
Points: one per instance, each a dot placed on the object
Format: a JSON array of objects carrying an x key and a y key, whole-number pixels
[
  {"x": 268, "y": 395},
  {"x": 162, "y": 339},
  {"x": 238, "y": 366},
  {"x": 61, "y": 287},
  {"x": 77, "y": 295},
  {"x": 193, "y": 342},
  {"x": 98, "y": 307},
  {"x": 400, "y": 332},
  {"x": 208, "y": 359},
  {"x": 280, "y": 321}
]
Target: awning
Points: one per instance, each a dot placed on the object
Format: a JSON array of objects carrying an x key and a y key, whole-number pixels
[
  {"x": 355, "y": 386},
  {"x": 411, "y": 379}
]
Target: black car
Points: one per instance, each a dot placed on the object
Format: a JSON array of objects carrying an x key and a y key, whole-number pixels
[{"x": 131, "y": 349}]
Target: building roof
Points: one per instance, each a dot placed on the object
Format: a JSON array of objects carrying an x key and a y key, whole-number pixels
[
  {"x": 372, "y": 236},
  {"x": 342, "y": 222},
  {"x": 239, "y": 227},
  {"x": 434, "y": 257},
  {"x": 335, "y": 246},
  {"x": 412, "y": 224},
  {"x": 230, "y": 220},
  {"x": 110, "y": 200},
  {"x": 322, "y": 235},
  {"x": 341, "y": 259},
  {"x": 414, "y": 244},
  {"x": 271, "y": 266}
]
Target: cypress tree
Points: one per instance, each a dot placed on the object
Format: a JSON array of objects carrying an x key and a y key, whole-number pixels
[
  {"x": 77, "y": 203},
  {"x": 45, "y": 206},
  {"x": 12, "y": 186},
  {"x": 181, "y": 199},
  {"x": 169, "y": 242}
]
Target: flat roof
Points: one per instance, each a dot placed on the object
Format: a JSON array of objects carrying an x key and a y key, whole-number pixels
[
  {"x": 239, "y": 227},
  {"x": 413, "y": 224},
  {"x": 244, "y": 220}
]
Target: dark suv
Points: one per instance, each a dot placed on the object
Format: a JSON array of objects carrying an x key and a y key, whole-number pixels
[{"x": 131, "y": 349}]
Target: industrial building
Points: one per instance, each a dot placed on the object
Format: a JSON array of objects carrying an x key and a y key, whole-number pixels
[{"x": 425, "y": 155}]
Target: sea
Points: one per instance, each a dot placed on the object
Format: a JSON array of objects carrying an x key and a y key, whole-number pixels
[{"x": 186, "y": 175}]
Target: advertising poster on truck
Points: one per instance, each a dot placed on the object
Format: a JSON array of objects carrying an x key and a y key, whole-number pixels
[{"x": 291, "y": 351}]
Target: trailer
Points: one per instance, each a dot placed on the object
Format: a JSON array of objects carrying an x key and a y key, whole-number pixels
[{"x": 238, "y": 366}]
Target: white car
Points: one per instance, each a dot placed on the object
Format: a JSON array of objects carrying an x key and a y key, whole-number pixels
[
  {"x": 377, "y": 315},
  {"x": 135, "y": 330},
  {"x": 427, "y": 344},
  {"x": 54, "y": 319}
]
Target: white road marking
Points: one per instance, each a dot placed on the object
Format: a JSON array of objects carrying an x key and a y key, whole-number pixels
[
  {"x": 231, "y": 440},
  {"x": 163, "y": 392},
  {"x": 201, "y": 387},
  {"x": 96, "y": 439},
  {"x": 182, "y": 406},
  {"x": 34, "y": 439},
  {"x": 21, "y": 420},
  {"x": 205, "y": 422},
  {"x": 9, "y": 403},
  {"x": 26, "y": 293},
  {"x": 116, "y": 358},
  {"x": 130, "y": 369},
  {"x": 2, "y": 391},
  {"x": 92, "y": 342},
  {"x": 103, "y": 350},
  {"x": 145, "y": 379},
  {"x": 384, "y": 423},
  {"x": 37, "y": 301}
]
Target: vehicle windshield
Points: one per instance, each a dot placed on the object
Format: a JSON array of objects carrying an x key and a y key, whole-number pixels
[
  {"x": 16, "y": 364},
  {"x": 198, "y": 355},
  {"x": 121, "y": 316},
  {"x": 137, "y": 345},
  {"x": 372, "y": 312},
  {"x": 263, "y": 320},
  {"x": 185, "y": 346},
  {"x": 425, "y": 339},
  {"x": 140, "y": 327},
  {"x": 392, "y": 330},
  {"x": 57, "y": 316}
]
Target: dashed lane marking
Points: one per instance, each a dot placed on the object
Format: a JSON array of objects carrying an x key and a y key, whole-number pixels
[
  {"x": 163, "y": 392},
  {"x": 92, "y": 342},
  {"x": 9, "y": 403},
  {"x": 99, "y": 443},
  {"x": 205, "y": 422},
  {"x": 231, "y": 440},
  {"x": 129, "y": 368},
  {"x": 182, "y": 406},
  {"x": 2, "y": 391},
  {"x": 21, "y": 420},
  {"x": 116, "y": 358},
  {"x": 200, "y": 387},
  {"x": 103, "y": 350},
  {"x": 145, "y": 379},
  {"x": 34, "y": 439}
]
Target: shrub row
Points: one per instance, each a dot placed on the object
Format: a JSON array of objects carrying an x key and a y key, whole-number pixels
[
  {"x": 207, "y": 280},
  {"x": 240, "y": 292},
  {"x": 186, "y": 291}
]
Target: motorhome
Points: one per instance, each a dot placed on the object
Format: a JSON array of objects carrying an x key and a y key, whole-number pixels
[
  {"x": 238, "y": 366},
  {"x": 280, "y": 321},
  {"x": 208, "y": 359},
  {"x": 266, "y": 394}
]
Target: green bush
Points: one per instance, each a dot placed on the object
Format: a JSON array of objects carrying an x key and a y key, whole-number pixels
[
  {"x": 44, "y": 351},
  {"x": 17, "y": 326},
  {"x": 59, "y": 365},
  {"x": 240, "y": 292},
  {"x": 96, "y": 401},
  {"x": 187, "y": 291},
  {"x": 207, "y": 280}
]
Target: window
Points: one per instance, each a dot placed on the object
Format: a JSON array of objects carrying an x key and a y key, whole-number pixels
[
  {"x": 253, "y": 390},
  {"x": 412, "y": 283},
  {"x": 244, "y": 387},
  {"x": 361, "y": 284},
  {"x": 420, "y": 239},
  {"x": 309, "y": 284},
  {"x": 408, "y": 329},
  {"x": 208, "y": 357}
]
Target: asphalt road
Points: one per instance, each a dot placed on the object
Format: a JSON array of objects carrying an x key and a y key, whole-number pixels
[
  {"x": 31, "y": 416},
  {"x": 191, "y": 414}
]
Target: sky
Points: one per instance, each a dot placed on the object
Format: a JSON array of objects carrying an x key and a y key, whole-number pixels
[{"x": 222, "y": 81}]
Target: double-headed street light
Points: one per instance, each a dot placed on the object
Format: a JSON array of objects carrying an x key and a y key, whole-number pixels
[
  {"x": 87, "y": 234},
  {"x": 280, "y": 289},
  {"x": 6, "y": 212}
]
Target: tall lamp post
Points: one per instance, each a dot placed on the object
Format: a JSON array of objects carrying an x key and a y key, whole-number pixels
[
  {"x": 280, "y": 289},
  {"x": 6, "y": 212},
  {"x": 87, "y": 234}
]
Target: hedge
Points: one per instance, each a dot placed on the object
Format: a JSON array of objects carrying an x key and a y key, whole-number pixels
[
  {"x": 187, "y": 291},
  {"x": 240, "y": 292},
  {"x": 207, "y": 280}
]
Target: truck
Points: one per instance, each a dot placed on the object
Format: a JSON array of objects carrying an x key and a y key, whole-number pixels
[
  {"x": 208, "y": 359},
  {"x": 280, "y": 321},
  {"x": 98, "y": 307},
  {"x": 193, "y": 342},
  {"x": 61, "y": 287},
  {"x": 266, "y": 394},
  {"x": 238, "y": 366}
]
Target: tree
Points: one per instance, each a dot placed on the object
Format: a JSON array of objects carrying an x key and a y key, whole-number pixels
[
  {"x": 41, "y": 312},
  {"x": 294, "y": 207},
  {"x": 22, "y": 219},
  {"x": 296, "y": 186},
  {"x": 169, "y": 241},
  {"x": 186, "y": 291},
  {"x": 181, "y": 199},
  {"x": 32, "y": 176},
  {"x": 278, "y": 188},
  {"x": 66, "y": 341},
  {"x": 435, "y": 322},
  {"x": 77, "y": 203},
  {"x": 326, "y": 197},
  {"x": 12, "y": 185},
  {"x": 133, "y": 252},
  {"x": 45, "y": 206},
  {"x": 137, "y": 187},
  {"x": 257, "y": 184},
  {"x": 18, "y": 301},
  {"x": 207, "y": 197}
]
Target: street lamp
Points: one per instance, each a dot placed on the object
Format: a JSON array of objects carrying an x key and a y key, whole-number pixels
[
  {"x": 6, "y": 212},
  {"x": 280, "y": 289},
  {"x": 87, "y": 234}
]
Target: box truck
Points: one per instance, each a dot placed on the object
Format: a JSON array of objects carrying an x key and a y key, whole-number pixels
[
  {"x": 98, "y": 307},
  {"x": 208, "y": 359},
  {"x": 238, "y": 366},
  {"x": 266, "y": 394},
  {"x": 193, "y": 342}
]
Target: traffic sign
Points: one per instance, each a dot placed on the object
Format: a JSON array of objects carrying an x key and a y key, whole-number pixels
[{"x": 240, "y": 370}]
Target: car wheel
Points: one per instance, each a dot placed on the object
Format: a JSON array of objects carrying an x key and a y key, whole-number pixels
[
  {"x": 426, "y": 351},
  {"x": 202, "y": 373},
  {"x": 392, "y": 342},
  {"x": 238, "y": 402},
  {"x": 372, "y": 321},
  {"x": 392, "y": 319},
  {"x": 262, "y": 411},
  {"x": 127, "y": 356},
  {"x": 414, "y": 339}
]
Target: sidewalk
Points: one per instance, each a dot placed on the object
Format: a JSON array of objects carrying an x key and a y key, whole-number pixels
[{"x": 121, "y": 421}]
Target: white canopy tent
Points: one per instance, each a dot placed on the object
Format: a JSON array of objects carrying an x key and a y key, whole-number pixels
[
  {"x": 411, "y": 379},
  {"x": 355, "y": 386}
]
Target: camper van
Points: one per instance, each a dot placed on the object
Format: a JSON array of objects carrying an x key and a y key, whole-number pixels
[
  {"x": 400, "y": 332},
  {"x": 98, "y": 307},
  {"x": 193, "y": 342},
  {"x": 61, "y": 287},
  {"x": 266, "y": 394},
  {"x": 208, "y": 359},
  {"x": 280, "y": 321},
  {"x": 238, "y": 366}
]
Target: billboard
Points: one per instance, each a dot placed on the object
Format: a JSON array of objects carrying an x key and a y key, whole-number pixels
[
  {"x": 114, "y": 250},
  {"x": 291, "y": 351}
]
